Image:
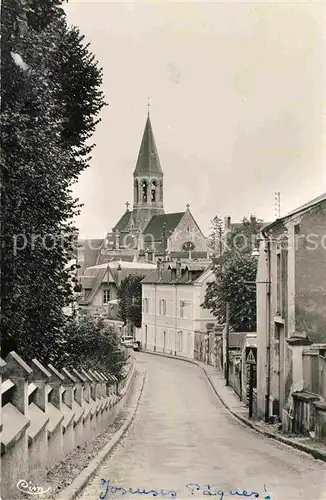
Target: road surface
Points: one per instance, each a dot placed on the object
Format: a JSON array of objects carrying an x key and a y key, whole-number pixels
[{"x": 182, "y": 434}]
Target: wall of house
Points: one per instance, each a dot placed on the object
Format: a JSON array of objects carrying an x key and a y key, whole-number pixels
[
  {"x": 310, "y": 274},
  {"x": 98, "y": 297},
  {"x": 179, "y": 331},
  {"x": 202, "y": 316},
  {"x": 262, "y": 329}
]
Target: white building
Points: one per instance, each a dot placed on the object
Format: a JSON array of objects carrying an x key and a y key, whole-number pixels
[{"x": 172, "y": 296}]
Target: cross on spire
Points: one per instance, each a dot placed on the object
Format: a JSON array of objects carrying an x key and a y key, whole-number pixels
[
  {"x": 148, "y": 105},
  {"x": 127, "y": 205},
  {"x": 187, "y": 206}
]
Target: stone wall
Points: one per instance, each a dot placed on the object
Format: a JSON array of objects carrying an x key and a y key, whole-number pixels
[
  {"x": 46, "y": 414},
  {"x": 235, "y": 371},
  {"x": 208, "y": 347},
  {"x": 307, "y": 413}
]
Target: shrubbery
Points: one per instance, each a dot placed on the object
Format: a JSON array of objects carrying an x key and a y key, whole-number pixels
[
  {"x": 51, "y": 98},
  {"x": 89, "y": 343}
]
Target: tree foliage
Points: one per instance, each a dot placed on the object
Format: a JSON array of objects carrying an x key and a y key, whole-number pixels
[
  {"x": 50, "y": 100},
  {"x": 130, "y": 300},
  {"x": 215, "y": 236},
  {"x": 233, "y": 270},
  {"x": 89, "y": 343}
]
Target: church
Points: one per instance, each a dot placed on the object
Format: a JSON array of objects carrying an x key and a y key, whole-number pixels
[{"x": 144, "y": 234}]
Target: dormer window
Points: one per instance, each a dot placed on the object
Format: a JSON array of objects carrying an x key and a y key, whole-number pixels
[{"x": 106, "y": 296}]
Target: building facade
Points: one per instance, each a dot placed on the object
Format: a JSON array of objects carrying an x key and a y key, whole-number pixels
[
  {"x": 291, "y": 306},
  {"x": 100, "y": 285},
  {"x": 140, "y": 237},
  {"x": 172, "y": 296}
]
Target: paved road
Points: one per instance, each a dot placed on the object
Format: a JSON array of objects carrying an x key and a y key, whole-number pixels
[{"x": 182, "y": 434}]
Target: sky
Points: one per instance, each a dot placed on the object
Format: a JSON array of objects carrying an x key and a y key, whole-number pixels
[{"x": 237, "y": 104}]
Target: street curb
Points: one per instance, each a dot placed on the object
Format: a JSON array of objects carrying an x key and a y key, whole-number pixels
[
  {"x": 318, "y": 455},
  {"x": 80, "y": 482}
]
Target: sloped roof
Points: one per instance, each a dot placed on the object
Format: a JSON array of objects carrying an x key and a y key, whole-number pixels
[
  {"x": 306, "y": 206},
  {"x": 122, "y": 224},
  {"x": 124, "y": 272},
  {"x": 87, "y": 281},
  {"x": 91, "y": 249},
  {"x": 148, "y": 162},
  {"x": 166, "y": 277},
  {"x": 99, "y": 275},
  {"x": 309, "y": 204},
  {"x": 157, "y": 222},
  {"x": 114, "y": 256}
]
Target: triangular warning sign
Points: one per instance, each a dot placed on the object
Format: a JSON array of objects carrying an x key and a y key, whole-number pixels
[{"x": 251, "y": 358}]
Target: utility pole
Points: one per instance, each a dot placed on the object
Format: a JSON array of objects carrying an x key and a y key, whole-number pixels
[
  {"x": 277, "y": 205},
  {"x": 251, "y": 388}
]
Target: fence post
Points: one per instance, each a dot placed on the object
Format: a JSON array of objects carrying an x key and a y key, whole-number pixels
[{"x": 14, "y": 437}]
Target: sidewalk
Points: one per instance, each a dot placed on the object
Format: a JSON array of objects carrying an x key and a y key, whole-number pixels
[{"x": 232, "y": 403}]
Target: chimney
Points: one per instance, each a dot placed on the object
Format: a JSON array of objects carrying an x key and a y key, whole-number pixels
[{"x": 119, "y": 274}]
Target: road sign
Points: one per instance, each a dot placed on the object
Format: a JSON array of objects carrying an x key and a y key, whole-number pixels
[{"x": 251, "y": 358}]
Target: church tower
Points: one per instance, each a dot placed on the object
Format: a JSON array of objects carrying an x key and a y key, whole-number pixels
[{"x": 148, "y": 181}]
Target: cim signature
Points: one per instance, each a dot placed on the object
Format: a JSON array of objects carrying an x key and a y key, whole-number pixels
[{"x": 29, "y": 489}]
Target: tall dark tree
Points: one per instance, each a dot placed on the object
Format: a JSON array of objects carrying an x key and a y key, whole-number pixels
[
  {"x": 130, "y": 300},
  {"x": 50, "y": 100},
  {"x": 234, "y": 271}
]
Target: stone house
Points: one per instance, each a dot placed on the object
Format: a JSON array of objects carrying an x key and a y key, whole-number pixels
[
  {"x": 291, "y": 306},
  {"x": 100, "y": 284},
  {"x": 172, "y": 312}
]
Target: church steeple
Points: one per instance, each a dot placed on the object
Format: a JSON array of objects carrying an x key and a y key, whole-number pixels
[
  {"x": 148, "y": 179},
  {"x": 148, "y": 162}
]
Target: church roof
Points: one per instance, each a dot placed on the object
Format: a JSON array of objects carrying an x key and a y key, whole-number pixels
[
  {"x": 157, "y": 222},
  {"x": 123, "y": 222},
  {"x": 148, "y": 160}
]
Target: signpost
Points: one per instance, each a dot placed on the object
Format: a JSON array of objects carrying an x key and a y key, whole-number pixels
[{"x": 252, "y": 362}]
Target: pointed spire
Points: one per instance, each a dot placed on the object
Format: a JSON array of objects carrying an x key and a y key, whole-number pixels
[{"x": 148, "y": 162}]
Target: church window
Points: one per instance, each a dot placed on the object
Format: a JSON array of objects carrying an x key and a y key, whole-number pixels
[
  {"x": 144, "y": 189},
  {"x": 153, "y": 192},
  {"x": 136, "y": 192}
]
